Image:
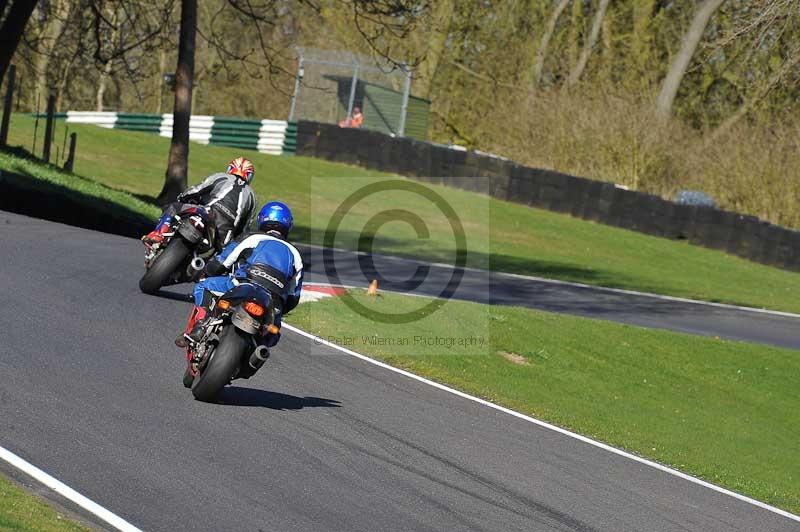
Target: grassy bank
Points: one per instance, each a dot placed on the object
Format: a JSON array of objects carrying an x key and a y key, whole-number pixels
[
  {"x": 500, "y": 235},
  {"x": 727, "y": 412},
  {"x": 50, "y": 179},
  {"x": 20, "y": 511}
]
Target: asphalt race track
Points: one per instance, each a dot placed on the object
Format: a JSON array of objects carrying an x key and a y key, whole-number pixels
[
  {"x": 318, "y": 440},
  {"x": 486, "y": 287}
]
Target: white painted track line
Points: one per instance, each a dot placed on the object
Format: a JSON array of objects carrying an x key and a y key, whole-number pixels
[
  {"x": 67, "y": 492},
  {"x": 546, "y": 425}
]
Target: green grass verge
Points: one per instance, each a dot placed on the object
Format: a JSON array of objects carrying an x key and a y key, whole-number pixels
[
  {"x": 21, "y": 511},
  {"x": 52, "y": 180},
  {"x": 501, "y": 235},
  {"x": 727, "y": 412}
]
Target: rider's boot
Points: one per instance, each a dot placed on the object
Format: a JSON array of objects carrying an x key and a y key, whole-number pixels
[
  {"x": 194, "y": 328},
  {"x": 156, "y": 236}
]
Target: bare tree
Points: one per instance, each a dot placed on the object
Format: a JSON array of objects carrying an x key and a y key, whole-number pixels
[
  {"x": 68, "y": 35},
  {"x": 11, "y": 31},
  {"x": 765, "y": 28},
  {"x": 672, "y": 82},
  {"x": 761, "y": 93},
  {"x": 113, "y": 17},
  {"x": 589, "y": 45},
  {"x": 541, "y": 52},
  {"x": 56, "y": 15},
  {"x": 381, "y": 23}
]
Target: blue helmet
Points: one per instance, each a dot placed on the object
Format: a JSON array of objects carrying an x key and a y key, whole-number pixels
[{"x": 275, "y": 216}]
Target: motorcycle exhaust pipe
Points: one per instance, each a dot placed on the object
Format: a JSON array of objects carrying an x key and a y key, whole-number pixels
[
  {"x": 198, "y": 264},
  {"x": 259, "y": 356}
]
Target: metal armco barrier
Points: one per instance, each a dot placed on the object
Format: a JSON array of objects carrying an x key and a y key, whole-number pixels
[
  {"x": 738, "y": 234},
  {"x": 266, "y": 136},
  {"x": 290, "y": 139}
]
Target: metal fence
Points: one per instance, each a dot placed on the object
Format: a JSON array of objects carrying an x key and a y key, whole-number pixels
[{"x": 330, "y": 86}]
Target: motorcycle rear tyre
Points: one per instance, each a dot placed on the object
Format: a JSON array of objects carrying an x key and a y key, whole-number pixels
[
  {"x": 166, "y": 263},
  {"x": 233, "y": 346},
  {"x": 188, "y": 378}
]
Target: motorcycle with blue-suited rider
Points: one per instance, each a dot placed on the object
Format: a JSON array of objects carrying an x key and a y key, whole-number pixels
[{"x": 249, "y": 287}]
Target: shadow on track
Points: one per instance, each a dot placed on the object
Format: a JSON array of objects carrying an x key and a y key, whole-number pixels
[
  {"x": 414, "y": 249},
  {"x": 236, "y": 396}
]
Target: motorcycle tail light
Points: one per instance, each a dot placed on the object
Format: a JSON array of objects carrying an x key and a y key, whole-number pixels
[
  {"x": 254, "y": 309},
  {"x": 224, "y": 304}
]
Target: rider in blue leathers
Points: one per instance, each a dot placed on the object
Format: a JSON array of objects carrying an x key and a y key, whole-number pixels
[{"x": 278, "y": 263}]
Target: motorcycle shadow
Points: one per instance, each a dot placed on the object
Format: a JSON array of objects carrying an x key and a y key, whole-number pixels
[{"x": 237, "y": 396}]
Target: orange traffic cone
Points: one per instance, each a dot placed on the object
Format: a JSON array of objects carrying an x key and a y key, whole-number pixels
[{"x": 373, "y": 288}]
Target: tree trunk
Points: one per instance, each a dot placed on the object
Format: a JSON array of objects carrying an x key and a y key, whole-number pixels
[
  {"x": 3, "y": 6},
  {"x": 589, "y": 45},
  {"x": 102, "y": 83},
  {"x": 50, "y": 39},
  {"x": 11, "y": 31},
  {"x": 541, "y": 52},
  {"x": 671, "y": 84},
  {"x": 177, "y": 168},
  {"x": 610, "y": 51},
  {"x": 63, "y": 81},
  {"x": 641, "y": 50},
  {"x": 572, "y": 48}
]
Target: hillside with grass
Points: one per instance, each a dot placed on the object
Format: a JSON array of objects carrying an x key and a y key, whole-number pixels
[
  {"x": 725, "y": 411},
  {"x": 501, "y": 235}
]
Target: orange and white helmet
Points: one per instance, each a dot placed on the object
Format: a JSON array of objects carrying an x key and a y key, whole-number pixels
[{"x": 243, "y": 168}]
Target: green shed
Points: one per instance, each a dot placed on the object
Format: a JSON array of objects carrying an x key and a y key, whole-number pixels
[{"x": 381, "y": 107}]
